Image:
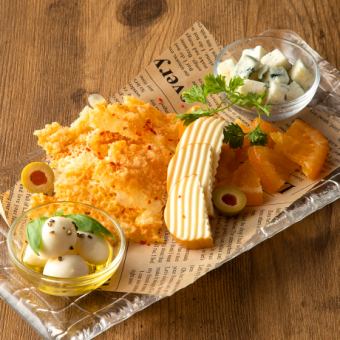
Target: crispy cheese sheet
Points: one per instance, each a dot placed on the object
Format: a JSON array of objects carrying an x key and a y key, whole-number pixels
[{"x": 162, "y": 269}]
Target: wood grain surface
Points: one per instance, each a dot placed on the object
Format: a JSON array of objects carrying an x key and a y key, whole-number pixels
[{"x": 54, "y": 53}]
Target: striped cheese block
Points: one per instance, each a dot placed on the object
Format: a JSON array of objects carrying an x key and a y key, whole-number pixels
[
  {"x": 186, "y": 215},
  {"x": 206, "y": 130},
  {"x": 193, "y": 159},
  {"x": 191, "y": 175}
]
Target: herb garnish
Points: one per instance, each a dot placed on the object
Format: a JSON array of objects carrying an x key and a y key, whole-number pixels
[
  {"x": 188, "y": 118},
  {"x": 257, "y": 136},
  {"x": 33, "y": 233},
  {"x": 216, "y": 85},
  {"x": 233, "y": 134},
  {"x": 83, "y": 222},
  {"x": 88, "y": 224}
]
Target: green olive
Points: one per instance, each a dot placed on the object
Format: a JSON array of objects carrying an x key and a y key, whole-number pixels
[
  {"x": 38, "y": 177},
  {"x": 229, "y": 200}
]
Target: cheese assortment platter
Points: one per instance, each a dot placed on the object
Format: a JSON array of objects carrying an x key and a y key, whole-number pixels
[{"x": 146, "y": 191}]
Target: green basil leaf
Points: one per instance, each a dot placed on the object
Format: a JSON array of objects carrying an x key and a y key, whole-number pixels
[
  {"x": 90, "y": 225},
  {"x": 33, "y": 233}
]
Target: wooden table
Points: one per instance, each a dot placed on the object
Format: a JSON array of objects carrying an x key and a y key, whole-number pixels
[{"x": 54, "y": 53}]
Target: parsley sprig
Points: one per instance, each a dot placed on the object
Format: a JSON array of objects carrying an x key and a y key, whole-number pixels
[
  {"x": 257, "y": 136},
  {"x": 233, "y": 134},
  {"x": 217, "y": 85},
  {"x": 188, "y": 118}
]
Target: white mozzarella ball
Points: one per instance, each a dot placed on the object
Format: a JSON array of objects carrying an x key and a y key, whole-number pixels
[
  {"x": 94, "y": 249},
  {"x": 59, "y": 235},
  {"x": 72, "y": 251},
  {"x": 32, "y": 259},
  {"x": 66, "y": 266}
]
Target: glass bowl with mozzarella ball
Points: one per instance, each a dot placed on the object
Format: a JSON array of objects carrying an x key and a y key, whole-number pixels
[
  {"x": 97, "y": 274},
  {"x": 294, "y": 55}
]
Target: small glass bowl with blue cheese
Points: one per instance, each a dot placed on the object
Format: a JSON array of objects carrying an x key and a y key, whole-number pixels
[
  {"x": 285, "y": 72},
  {"x": 66, "y": 248}
]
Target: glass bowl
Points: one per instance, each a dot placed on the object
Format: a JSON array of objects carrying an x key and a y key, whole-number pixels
[
  {"x": 292, "y": 52},
  {"x": 16, "y": 243}
]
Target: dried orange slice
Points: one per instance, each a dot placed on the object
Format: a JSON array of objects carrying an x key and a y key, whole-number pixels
[
  {"x": 227, "y": 164},
  {"x": 247, "y": 180},
  {"x": 245, "y": 128},
  {"x": 241, "y": 154},
  {"x": 272, "y": 166},
  {"x": 266, "y": 127},
  {"x": 303, "y": 145}
]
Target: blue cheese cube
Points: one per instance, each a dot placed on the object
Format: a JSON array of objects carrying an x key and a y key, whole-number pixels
[
  {"x": 294, "y": 91},
  {"x": 262, "y": 72},
  {"x": 277, "y": 74},
  {"x": 226, "y": 68},
  {"x": 277, "y": 93},
  {"x": 301, "y": 75},
  {"x": 257, "y": 52},
  {"x": 275, "y": 58},
  {"x": 246, "y": 66},
  {"x": 252, "y": 86}
]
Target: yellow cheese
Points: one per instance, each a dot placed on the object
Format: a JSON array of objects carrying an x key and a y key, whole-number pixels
[
  {"x": 193, "y": 159},
  {"x": 190, "y": 179},
  {"x": 206, "y": 130},
  {"x": 186, "y": 215}
]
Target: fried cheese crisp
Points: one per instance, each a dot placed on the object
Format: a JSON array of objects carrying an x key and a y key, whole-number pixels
[{"x": 115, "y": 157}]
